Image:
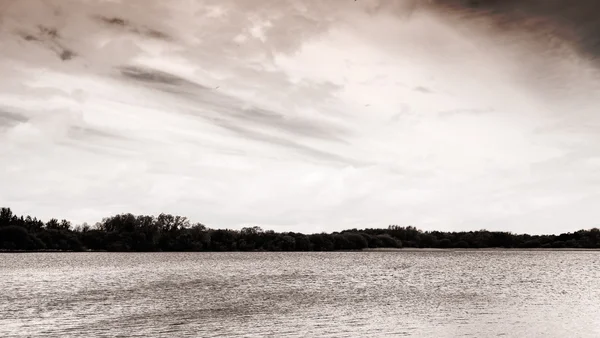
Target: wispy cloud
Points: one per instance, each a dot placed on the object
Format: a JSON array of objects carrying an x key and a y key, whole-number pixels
[
  {"x": 302, "y": 116},
  {"x": 8, "y": 119}
]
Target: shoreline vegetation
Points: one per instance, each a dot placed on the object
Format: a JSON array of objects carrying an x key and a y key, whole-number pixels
[{"x": 131, "y": 233}]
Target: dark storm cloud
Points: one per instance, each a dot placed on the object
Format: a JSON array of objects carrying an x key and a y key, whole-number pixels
[{"x": 575, "y": 20}]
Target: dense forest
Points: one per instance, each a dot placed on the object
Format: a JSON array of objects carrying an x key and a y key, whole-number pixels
[{"x": 127, "y": 232}]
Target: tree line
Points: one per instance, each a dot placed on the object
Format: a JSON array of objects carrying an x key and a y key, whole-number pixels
[{"x": 128, "y": 232}]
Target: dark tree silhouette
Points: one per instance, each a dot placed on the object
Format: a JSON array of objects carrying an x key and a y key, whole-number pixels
[{"x": 128, "y": 232}]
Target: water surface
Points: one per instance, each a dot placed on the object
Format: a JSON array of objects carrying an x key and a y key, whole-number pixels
[{"x": 357, "y": 294}]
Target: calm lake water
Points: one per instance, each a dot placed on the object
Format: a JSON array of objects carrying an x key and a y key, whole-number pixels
[{"x": 361, "y": 294}]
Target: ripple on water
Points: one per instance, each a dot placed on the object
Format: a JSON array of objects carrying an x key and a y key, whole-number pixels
[{"x": 376, "y": 294}]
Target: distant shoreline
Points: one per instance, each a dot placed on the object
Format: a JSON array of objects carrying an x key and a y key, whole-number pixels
[{"x": 169, "y": 233}]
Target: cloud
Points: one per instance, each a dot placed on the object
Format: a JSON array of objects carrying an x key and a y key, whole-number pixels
[
  {"x": 8, "y": 119},
  {"x": 553, "y": 21},
  {"x": 231, "y": 112},
  {"x": 300, "y": 116}
]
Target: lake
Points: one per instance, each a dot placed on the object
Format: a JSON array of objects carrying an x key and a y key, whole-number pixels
[{"x": 332, "y": 294}]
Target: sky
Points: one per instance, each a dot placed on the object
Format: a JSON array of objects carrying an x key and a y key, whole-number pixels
[{"x": 303, "y": 116}]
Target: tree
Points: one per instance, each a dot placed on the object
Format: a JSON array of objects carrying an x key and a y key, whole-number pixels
[
  {"x": 53, "y": 224},
  {"x": 5, "y": 217},
  {"x": 445, "y": 243},
  {"x": 128, "y": 232}
]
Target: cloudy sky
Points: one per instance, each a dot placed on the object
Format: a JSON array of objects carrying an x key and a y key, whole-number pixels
[{"x": 303, "y": 115}]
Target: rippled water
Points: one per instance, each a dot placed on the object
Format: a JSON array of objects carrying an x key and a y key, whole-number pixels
[{"x": 361, "y": 294}]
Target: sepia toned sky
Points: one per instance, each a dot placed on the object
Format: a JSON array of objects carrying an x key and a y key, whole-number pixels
[{"x": 303, "y": 115}]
